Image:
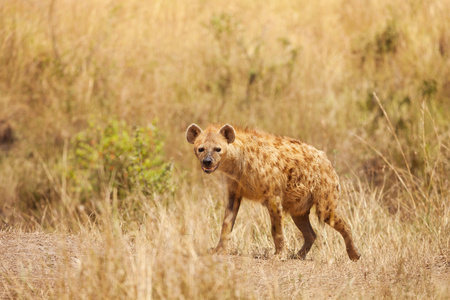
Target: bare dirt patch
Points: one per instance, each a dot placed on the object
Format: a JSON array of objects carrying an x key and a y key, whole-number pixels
[
  {"x": 34, "y": 259},
  {"x": 38, "y": 264}
]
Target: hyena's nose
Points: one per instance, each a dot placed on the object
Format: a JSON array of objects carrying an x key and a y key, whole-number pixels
[{"x": 207, "y": 161}]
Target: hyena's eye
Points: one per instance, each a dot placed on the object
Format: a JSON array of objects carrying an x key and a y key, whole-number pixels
[
  {"x": 201, "y": 149},
  {"x": 217, "y": 149}
]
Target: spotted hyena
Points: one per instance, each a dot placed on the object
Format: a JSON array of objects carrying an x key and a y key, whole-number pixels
[{"x": 282, "y": 173}]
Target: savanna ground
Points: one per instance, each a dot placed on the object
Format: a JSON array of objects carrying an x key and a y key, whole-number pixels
[{"x": 101, "y": 196}]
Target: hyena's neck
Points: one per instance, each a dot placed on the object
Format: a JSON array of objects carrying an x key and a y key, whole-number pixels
[{"x": 233, "y": 164}]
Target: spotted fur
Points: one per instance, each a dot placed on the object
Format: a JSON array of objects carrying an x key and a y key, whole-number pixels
[{"x": 282, "y": 173}]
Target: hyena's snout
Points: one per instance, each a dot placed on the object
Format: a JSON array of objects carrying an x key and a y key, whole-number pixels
[
  {"x": 208, "y": 165},
  {"x": 207, "y": 162}
]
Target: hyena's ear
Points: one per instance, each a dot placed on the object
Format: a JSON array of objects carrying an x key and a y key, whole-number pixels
[
  {"x": 192, "y": 132},
  {"x": 228, "y": 132}
]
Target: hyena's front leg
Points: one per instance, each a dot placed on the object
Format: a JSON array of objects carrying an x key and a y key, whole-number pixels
[
  {"x": 234, "y": 202},
  {"x": 276, "y": 217}
]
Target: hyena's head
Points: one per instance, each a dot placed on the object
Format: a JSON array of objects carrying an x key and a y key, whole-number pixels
[{"x": 210, "y": 145}]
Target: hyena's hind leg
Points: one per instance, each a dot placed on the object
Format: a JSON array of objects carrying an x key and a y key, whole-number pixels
[
  {"x": 308, "y": 233},
  {"x": 335, "y": 221}
]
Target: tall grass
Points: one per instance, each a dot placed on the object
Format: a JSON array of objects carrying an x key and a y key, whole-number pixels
[{"x": 368, "y": 83}]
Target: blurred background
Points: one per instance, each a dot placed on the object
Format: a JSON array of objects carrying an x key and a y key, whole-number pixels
[{"x": 297, "y": 68}]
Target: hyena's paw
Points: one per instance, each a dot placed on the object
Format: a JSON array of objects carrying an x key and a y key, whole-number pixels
[
  {"x": 301, "y": 255},
  {"x": 354, "y": 254},
  {"x": 281, "y": 256}
]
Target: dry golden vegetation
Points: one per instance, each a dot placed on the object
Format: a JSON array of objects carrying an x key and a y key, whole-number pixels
[{"x": 101, "y": 196}]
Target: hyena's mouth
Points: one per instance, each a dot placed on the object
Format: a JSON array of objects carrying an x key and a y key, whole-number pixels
[{"x": 209, "y": 170}]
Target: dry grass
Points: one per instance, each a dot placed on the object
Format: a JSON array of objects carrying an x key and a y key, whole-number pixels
[{"x": 304, "y": 69}]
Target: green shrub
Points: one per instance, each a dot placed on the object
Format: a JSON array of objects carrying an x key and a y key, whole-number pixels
[{"x": 118, "y": 157}]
